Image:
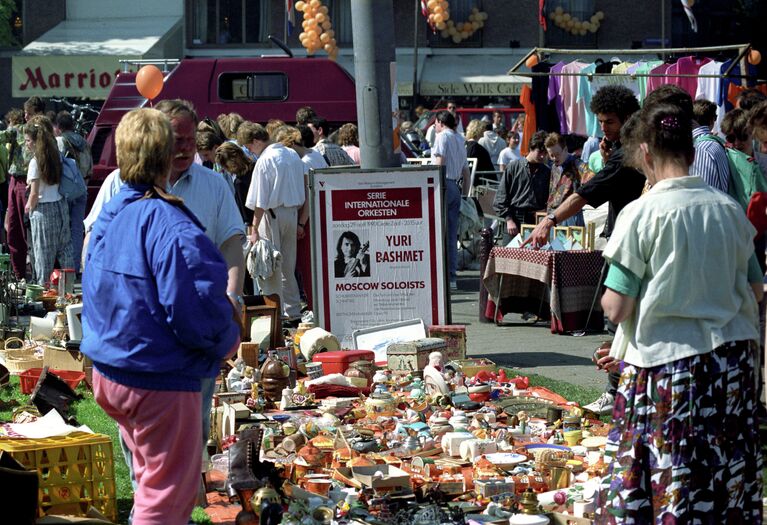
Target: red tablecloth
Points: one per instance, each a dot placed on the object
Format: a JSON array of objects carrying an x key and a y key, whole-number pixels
[{"x": 521, "y": 280}]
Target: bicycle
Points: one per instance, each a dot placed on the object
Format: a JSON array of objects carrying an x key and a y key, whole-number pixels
[{"x": 80, "y": 113}]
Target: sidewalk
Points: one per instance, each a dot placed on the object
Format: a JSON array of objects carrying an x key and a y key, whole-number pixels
[{"x": 528, "y": 348}]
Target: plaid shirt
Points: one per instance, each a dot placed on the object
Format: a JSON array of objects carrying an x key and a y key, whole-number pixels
[{"x": 333, "y": 153}]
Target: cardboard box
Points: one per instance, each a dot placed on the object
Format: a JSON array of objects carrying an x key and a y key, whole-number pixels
[
  {"x": 392, "y": 477},
  {"x": 454, "y": 336},
  {"x": 412, "y": 355},
  {"x": 63, "y": 359}
]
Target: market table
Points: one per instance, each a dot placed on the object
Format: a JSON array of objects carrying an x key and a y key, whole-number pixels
[{"x": 522, "y": 280}]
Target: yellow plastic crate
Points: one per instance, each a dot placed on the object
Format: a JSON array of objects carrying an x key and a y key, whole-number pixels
[{"x": 75, "y": 471}]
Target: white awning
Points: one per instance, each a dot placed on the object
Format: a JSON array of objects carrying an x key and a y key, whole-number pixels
[{"x": 140, "y": 36}]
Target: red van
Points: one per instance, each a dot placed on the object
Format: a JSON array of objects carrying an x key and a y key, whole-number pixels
[{"x": 259, "y": 89}]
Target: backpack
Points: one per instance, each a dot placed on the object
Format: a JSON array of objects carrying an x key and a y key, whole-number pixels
[
  {"x": 83, "y": 158},
  {"x": 746, "y": 177},
  {"x": 71, "y": 185}
]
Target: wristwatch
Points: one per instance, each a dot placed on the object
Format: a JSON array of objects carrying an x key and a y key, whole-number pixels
[
  {"x": 236, "y": 297},
  {"x": 552, "y": 218}
]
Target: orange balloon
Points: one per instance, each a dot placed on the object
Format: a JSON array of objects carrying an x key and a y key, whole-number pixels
[
  {"x": 754, "y": 57},
  {"x": 531, "y": 61},
  {"x": 149, "y": 81}
]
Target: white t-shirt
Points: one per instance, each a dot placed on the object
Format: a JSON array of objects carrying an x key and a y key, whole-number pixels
[
  {"x": 47, "y": 193},
  {"x": 278, "y": 179},
  {"x": 708, "y": 88},
  {"x": 507, "y": 155}
]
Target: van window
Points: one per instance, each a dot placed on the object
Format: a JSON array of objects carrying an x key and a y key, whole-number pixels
[{"x": 253, "y": 86}]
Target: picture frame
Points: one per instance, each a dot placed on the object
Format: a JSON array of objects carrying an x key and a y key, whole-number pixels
[
  {"x": 526, "y": 230},
  {"x": 562, "y": 233},
  {"x": 539, "y": 216},
  {"x": 577, "y": 234}
]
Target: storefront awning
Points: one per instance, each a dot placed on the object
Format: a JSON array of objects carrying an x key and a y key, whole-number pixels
[
  {"x": 80, "y": 58},
  {"x": 454, "y": 75},
  {"x": 469, "y": 75}
]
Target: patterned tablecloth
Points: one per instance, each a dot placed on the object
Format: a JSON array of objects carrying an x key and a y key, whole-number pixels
[{"x": 518, "y": 279}]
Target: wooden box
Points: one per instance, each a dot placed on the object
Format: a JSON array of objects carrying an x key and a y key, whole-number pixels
[
  {"x": 455, "y": 338},
  {"x": 413, "y": 355}
]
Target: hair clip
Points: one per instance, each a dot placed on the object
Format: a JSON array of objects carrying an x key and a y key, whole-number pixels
[{"x": 669, "y": 123}]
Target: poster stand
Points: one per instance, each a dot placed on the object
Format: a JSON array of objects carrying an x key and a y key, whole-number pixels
[{"x": 378, "y": 248}]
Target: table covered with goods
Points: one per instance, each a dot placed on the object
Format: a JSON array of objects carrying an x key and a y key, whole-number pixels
[
  {"x": 428, "y": 436},
  {"x": 311, "y": 433}
]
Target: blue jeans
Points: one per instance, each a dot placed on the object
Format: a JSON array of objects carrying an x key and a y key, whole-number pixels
[
  {"x": 77, "y": 228},
  {"x": 453, "y": 201}
]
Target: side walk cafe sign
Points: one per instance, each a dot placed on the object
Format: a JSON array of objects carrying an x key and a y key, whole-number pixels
[
  {"x": 75, "y": 76},
  {"x": 378, "y": 252}
]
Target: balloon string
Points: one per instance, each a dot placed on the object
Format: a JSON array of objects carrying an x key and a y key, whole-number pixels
[{"x": 150, "y": 103}]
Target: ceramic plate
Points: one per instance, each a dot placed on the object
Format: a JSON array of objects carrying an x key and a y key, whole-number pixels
[
  {"x": 594, "y": 442},
  {"x": 535, "y": 446},
  {"x": 505, "y": 459}
]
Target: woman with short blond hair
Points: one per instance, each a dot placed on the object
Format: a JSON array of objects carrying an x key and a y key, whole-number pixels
[{"x": 156, "y": 321}]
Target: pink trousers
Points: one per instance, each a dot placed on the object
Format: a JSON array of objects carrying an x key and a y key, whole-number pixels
[{"x": 163, "y": 431}]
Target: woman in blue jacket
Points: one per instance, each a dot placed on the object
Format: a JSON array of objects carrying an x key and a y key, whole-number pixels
[{"x": 156, "y": 320}]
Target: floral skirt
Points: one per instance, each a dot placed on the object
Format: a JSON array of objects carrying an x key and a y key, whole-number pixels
[{"x": 685, "y": 443}]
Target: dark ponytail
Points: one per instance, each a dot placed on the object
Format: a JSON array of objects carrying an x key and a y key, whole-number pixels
[{"x": 667, "y": 130}]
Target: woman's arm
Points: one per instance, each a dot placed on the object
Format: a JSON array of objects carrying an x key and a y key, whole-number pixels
[
  {"x": 617, "y": 307},
  {"x": 34, "y": 196}
]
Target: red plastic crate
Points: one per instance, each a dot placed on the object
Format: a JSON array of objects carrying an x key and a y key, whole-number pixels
[{"x": 30, "y": 377}]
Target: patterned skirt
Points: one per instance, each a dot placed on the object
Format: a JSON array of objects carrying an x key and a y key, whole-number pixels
[{"x": 685, "y": 443}]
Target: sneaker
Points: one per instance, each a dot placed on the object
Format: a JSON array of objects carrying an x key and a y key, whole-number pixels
[
  {"x": 602, "y": 406},
  {"x": 453, "y": 286}
]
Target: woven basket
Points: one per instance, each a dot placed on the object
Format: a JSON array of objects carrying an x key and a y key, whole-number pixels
[{"x": 18, "y": 360}]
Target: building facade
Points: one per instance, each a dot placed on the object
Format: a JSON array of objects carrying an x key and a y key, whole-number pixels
[{"x": 72, "y": 48}]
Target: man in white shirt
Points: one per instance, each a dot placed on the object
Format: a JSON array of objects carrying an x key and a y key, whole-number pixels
[
  {"x": 275, "y": 195},
  {"x": 431, "y": 131},
  {"x": 449, "y": 151}
]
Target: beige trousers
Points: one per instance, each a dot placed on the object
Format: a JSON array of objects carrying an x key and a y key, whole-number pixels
[{"x": 281, "y": 230}]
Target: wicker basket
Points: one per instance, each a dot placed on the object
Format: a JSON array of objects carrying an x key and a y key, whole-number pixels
[{"x": 18, "y": 360}]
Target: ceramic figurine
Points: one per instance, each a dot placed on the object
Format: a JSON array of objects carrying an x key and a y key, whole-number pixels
[
  {"x": 435, "y": 360},
  {"x": 234, "y": 377},
  {"x": 286, "y": 400}
]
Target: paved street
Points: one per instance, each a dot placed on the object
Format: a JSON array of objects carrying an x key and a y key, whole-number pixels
[{"x": 529, "y": 348}]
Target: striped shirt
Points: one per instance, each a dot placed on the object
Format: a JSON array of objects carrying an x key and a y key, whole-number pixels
[
  {"x": 710, "y": 162},
  {"x": 450, "y": 146}
]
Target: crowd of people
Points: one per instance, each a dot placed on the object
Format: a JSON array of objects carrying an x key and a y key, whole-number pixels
[
  {"x": 683, "y": 293},
  {"x": 168, "y": 231}
]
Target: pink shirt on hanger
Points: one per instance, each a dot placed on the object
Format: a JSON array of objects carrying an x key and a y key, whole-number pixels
[
  {"x": 688, "y": 66},
  {"x": 655, "y": 82},
  {"x": 575, "y": 112}
]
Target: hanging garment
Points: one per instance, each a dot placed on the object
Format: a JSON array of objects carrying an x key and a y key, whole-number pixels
[
  {"x": 545, "y": 111},
  {"x": 654, "y": 83},
  {"x": 575, "y": 113},
  {"x": 689, "y": 66},
  {"x": 708, "y": 89},
  {"x": 724, "y": 86},
  {"x": 554, "y": 84},
  {"x": 585, "y": 93},
  {"x": 644, "y": 68},
  {"x": 529, "y": 128}
]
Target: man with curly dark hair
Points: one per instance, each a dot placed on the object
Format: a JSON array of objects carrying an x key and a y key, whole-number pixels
[{"x": 616, "y": 183}]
